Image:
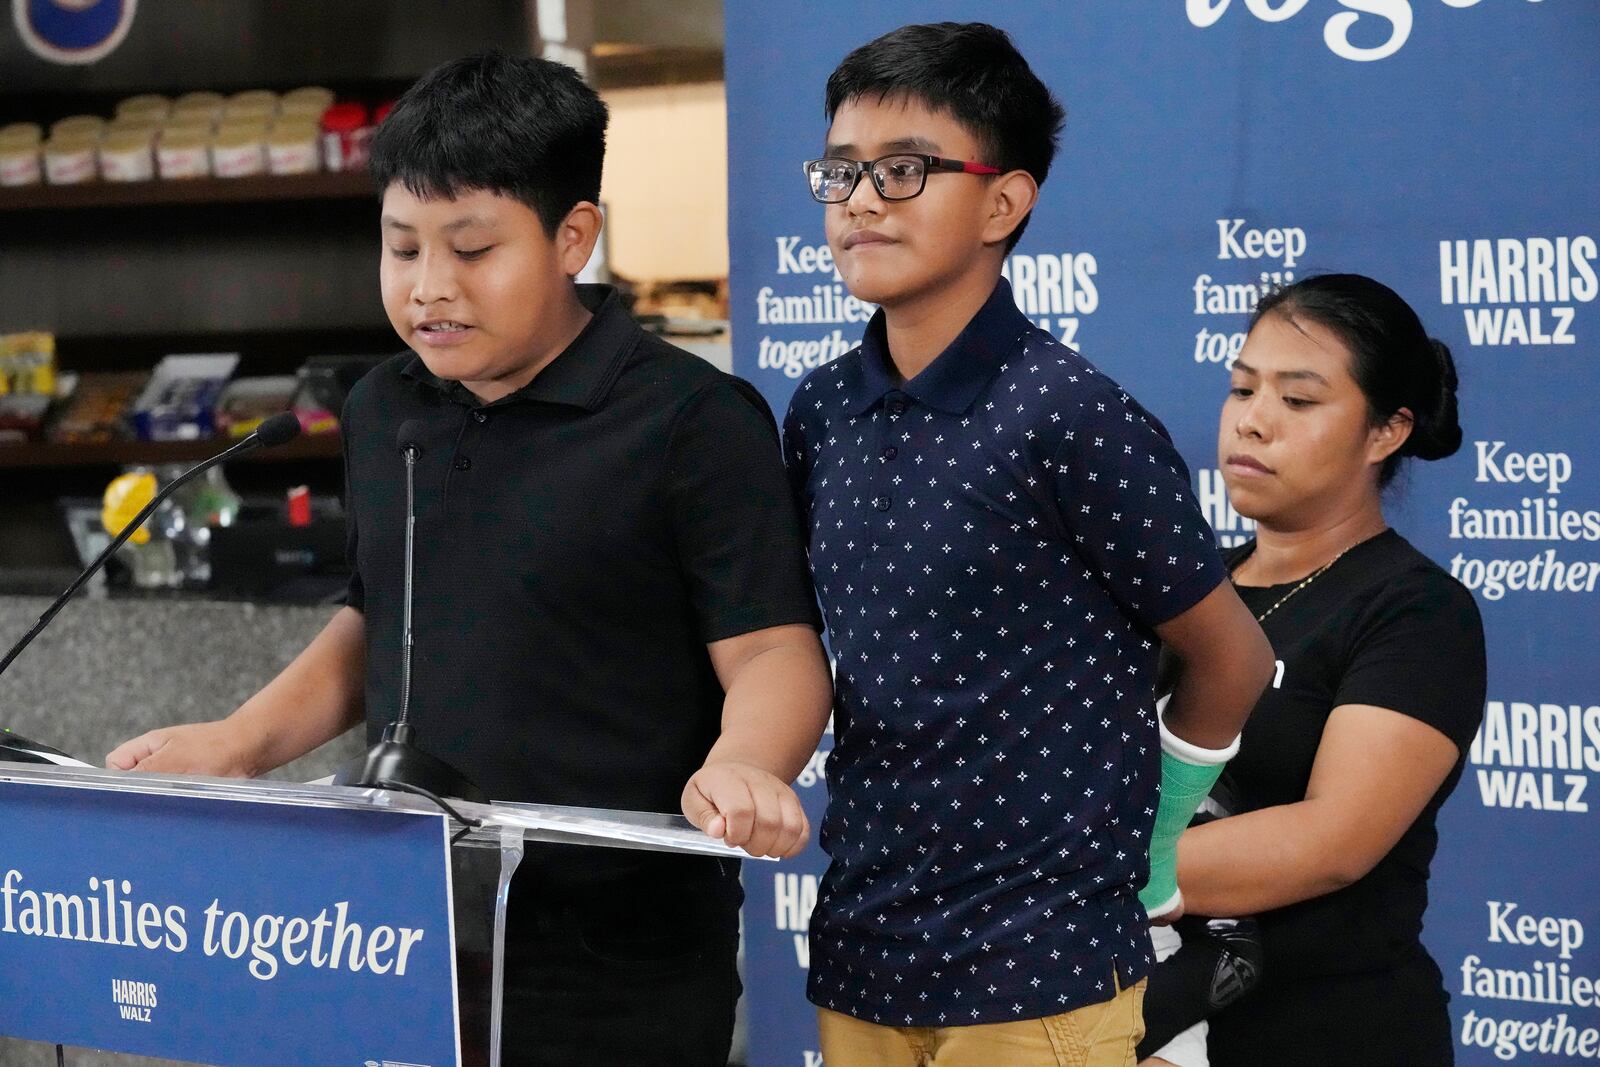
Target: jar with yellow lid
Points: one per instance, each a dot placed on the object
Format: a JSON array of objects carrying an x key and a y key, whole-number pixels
[
  {"x": 250, "y": 104},
  {"x": 135, "y": 123},
  {"x": 196, "y": 107},
  {"x": 69, "y": 159},
  {"x": 19, "y": 165},
  {"x": 259, "y": 126},
  {"x": 195, "y": 117},
  {"x": 238, "y": 149},
  {"x": 19, "y": 155},
  {"x": 148, "y": 106},
  {"x": 78, "y": 126},
  {"x": 184, "y": 151},
  {"x": 309, "y": 102},
  {"x": 128, "y": 155},
  {"x": 294, "y": 147},
  {"x": 262, "y": 113},
  {"x": 200, "y": 98},
  {"x": 22, "y": 131}
]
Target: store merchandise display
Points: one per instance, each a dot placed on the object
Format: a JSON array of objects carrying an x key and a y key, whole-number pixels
[{"x": 196, "y": 135}]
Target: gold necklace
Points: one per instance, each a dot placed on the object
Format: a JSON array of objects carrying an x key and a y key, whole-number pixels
[{"x": 1313, "y": 576}]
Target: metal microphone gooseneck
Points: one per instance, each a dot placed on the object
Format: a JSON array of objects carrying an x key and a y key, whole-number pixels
[
  {"x": 395, "y": 762},
  {"x": 411, "y": 450}
]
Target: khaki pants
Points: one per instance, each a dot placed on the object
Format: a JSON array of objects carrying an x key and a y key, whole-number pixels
[{"x": 1096, "y": 1035}]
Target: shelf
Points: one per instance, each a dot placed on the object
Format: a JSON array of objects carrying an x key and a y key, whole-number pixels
[
  {"x": 147, "y": 453},
  {"x": 345, "y": 185},
  {"x": 278, "y": 350}
]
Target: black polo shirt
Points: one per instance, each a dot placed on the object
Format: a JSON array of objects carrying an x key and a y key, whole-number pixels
[{"x": 578, "y": 544}]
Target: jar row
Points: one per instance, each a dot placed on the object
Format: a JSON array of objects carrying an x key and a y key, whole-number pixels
[{"x": 197, "y": 135}]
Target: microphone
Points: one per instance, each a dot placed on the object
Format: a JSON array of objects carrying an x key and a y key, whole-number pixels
[
  {"x": 274, "y": 431},
  {"x": 279, "y": 429},
  {"x": 395, "y": 762},
  {"x": 409, "y": 438}
]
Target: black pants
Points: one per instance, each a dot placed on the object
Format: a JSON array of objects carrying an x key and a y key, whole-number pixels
[
  {"x": 1391, "y": 1018},
  {"x": 641, "y": 977}
]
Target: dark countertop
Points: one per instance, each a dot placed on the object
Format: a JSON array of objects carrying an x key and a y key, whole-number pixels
[{"x": 109, "y": 669}]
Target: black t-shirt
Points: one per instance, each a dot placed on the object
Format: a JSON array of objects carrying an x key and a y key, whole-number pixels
[
  {"x": 578, "y": 544},
  {"x": 1384, "y": 626}
]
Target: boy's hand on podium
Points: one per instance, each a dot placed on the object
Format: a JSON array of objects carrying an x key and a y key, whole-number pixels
[
  {"x": 211, "y": 748},
  {"x": 748, "y": 808}
]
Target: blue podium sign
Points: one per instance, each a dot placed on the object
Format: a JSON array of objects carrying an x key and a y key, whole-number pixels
[{"x": 230, "y": 932}]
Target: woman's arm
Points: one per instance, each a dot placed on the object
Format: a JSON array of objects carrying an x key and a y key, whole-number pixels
[{"x": 1375, "y": 771}]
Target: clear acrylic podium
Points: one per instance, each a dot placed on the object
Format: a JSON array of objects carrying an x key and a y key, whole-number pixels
[{"x": 483, "y": 857}]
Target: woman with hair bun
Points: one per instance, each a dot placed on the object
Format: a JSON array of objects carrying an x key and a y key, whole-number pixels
[{"x": 1379, "y": 690}]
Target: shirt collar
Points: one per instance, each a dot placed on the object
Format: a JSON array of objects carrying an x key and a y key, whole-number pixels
[
  {"x": 581, "y": 376},
  {"x": 957, "y": 375}
]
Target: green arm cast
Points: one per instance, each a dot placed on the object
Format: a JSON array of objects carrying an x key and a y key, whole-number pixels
[{"x": 1187, "y": 774}]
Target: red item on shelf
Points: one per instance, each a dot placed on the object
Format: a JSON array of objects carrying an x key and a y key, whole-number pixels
[
  {"x": 345, "y": 135},
  {"x": 299, "y": 506},
  {"x": 382, "y": 112}
]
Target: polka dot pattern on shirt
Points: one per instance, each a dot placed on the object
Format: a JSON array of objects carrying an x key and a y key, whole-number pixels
[{"x": 992, "y": 544}]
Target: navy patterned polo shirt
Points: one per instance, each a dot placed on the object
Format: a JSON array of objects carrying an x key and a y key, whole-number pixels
[{"x": 992, "y": 542}]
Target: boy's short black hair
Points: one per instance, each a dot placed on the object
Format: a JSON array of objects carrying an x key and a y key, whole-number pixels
[
  {"x": 519, "y": 126},
  {"x": 970, "y": 70}
]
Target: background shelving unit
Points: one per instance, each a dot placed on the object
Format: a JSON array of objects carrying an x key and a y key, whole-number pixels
[{"x": 346, "y": 185}]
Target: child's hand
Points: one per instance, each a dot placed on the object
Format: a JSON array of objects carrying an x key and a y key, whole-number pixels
[
  {"x": 213, "y": 748},
  {"x": 748, "y": 808}
]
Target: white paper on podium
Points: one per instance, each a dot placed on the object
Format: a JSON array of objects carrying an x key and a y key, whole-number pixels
[
  {"x": 56, "y": 759},
  {"x": 597, "y": 826},
  {"x": 654, "y": 831}
]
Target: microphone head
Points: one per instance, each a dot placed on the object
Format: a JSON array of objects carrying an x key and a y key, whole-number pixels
[
  {"x": 278, "y": 429},
  {"x": 410, "y": 437}
]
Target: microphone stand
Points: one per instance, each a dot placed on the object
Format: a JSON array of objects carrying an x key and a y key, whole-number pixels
[
  {"x": 402, "y": 731},
  {"x": 395, "y": 762}
]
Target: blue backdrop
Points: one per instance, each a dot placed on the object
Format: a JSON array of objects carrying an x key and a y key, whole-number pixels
[{"x": 1446, "y": 147}]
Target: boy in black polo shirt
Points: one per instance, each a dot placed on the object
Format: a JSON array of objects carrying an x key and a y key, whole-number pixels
[
  {"x": 1000, "y": 537},
  {"x": 611, "y": 602}
]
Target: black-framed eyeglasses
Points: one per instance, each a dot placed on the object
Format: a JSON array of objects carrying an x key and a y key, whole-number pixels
[{"x": 900, "y": 176}]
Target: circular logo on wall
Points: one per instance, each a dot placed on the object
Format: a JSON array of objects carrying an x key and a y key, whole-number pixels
[{"x": 73, "y": 31}]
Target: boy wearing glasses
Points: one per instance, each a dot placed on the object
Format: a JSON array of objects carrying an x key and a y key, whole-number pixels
[{"x": 1000, "y": 538}]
